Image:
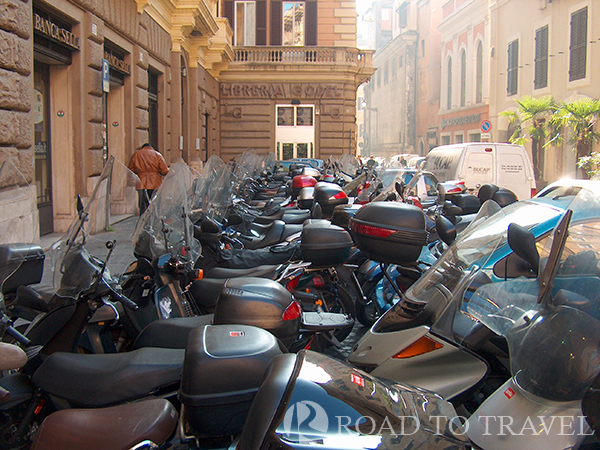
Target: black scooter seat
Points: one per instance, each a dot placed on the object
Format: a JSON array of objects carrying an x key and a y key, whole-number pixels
[
  {"x": 266, "y": 271},
  {"x": 104, "y": 380},
  {"x": 276, "y": 232},
  {"x": 287, "y": 215}
]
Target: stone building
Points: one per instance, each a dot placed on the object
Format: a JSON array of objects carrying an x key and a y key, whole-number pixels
[{"x": 85, "y": 79}]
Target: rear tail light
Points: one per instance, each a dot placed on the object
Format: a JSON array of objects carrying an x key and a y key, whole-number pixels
[
  {"x": 318, "y": 281},
  {"x": 371, "y": 231},
  {"x": 293, "y": 284},
  {"x": 292, "y": 312},
  {"x": 419, "y": 347},
  {"x": 533, "y": 192},
  {"x": 338, "y": 196}
]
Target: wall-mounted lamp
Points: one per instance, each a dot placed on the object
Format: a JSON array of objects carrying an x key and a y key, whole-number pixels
[{"x": 295, "y": 102}]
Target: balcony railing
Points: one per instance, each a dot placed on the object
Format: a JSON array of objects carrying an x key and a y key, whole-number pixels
[{"x": 303, "y": 55}]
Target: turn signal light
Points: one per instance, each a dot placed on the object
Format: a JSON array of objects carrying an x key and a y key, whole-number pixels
[
  {"x": 419, "y": 347},
  {"x": 371, "y": 231},
  {"x": 292, "y": 312},
  {"x": 293, "y": 284}
]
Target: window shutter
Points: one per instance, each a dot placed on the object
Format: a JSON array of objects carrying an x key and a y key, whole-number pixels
[
  {"x": 512, "y": 73},
  {"x": 311, "y": 23},
  {"x": 276, "y": 22},
  {"x": 541, "y": 58},
  {"x": 261, "y": 22},
  {"x": 578, "y": 48},
  {"x": 228, "y": 8}
]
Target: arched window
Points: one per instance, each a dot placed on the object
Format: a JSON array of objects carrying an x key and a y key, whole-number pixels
[
  {"x": 449, "y": 93},
  {"x": 463, "y": 78},
  {"x": 479, "y": 74}
]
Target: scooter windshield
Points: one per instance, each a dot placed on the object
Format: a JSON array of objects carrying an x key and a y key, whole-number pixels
[
  {"x": 217, "y": 189},
  {"x": 113, "y": 198},
  {"x": 553, "y": 340},
  {"x": 466, "y": 263},
  {"x": 165, "y": 227}
]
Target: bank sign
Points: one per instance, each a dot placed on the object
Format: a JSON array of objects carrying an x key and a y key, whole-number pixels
[{"x": 55, "y": 32}]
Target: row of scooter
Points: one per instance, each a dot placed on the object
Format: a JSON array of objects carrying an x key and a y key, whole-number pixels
[{"x": 303, "y": 399}]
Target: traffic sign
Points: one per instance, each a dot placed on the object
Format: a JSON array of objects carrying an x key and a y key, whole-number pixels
[
  {"x": 105, "y": 76},
  {"x": 486, "y": 126}
]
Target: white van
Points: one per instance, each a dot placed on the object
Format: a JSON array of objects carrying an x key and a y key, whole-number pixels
[{"x": 477, "y": 163}]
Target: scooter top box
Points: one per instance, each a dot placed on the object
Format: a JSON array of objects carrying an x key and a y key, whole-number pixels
[
  {"x": 329, "y": 195},
  {"x": 259, "y": 302},
  {"x": 20, "y": 264},
  {"x": 223, "y": 368},
  {"x": 302, "y": 181},
  {"x": 389, "y": 232},
  {"x": 324, "y": 244}
]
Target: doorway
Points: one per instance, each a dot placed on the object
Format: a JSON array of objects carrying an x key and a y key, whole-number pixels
[{"x": 43, "y": 154}]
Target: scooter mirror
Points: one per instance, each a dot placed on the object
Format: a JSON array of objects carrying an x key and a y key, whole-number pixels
[
  {"x": 522, "y": 242},
  {"x": 441, "y": 197},
  {"x": 445, "y": 229},
  {"x": 79, "y": 205},
  {"x": 234, "y": 219}
]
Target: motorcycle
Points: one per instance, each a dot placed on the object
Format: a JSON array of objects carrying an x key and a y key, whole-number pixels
[{"x": 424, "y": 339}]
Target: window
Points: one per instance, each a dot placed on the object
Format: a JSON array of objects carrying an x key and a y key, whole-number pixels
[
  {"x": 379, "y": 78},
  {"x": 401, "y": 61},
  {"x": 479, "y": 74},
  {"x": 449, "y": 93},
  {"x": 459, "y": 138},
  {"x": 423, "y": 48},
  {"x": 474, "y": 137},
  {"x": 245, "y": 23},
  {"x": 385, "y": 73},
  {"x": 403, "y": 15},
  {"x": 577, "y": 61},
  {"x": 394, "y": 68},
  {"x": 463, "y": 78},
  {"x": 293, "y": 23},
  {"x": 295, "y": 116},
  {"x": 446, "y": 139},
  {"x": 541, "y": 58},
  {"x": 512, "y": 71}
]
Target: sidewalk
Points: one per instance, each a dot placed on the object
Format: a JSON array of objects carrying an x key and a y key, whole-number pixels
[{"x": 121, "y": 257}]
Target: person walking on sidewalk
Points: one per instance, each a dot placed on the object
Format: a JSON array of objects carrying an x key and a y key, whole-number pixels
[{"x": 149, "y": 165}]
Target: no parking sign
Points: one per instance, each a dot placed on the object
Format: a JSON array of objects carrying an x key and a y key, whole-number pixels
[{"x": 486, "y": 126}]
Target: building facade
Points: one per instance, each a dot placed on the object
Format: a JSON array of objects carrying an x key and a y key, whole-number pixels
[
  {"x": 402, "y": 98},
  {"x": 84, "y": 80},
  {"x": 464, "y": 99},
  {"x": 544, "y": 48}
]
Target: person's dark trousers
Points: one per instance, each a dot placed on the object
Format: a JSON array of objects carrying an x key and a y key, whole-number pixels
[{"x": 144, "y": 196}]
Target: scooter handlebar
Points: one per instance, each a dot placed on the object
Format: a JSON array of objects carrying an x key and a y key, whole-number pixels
[{"x": 17, "y": 336}]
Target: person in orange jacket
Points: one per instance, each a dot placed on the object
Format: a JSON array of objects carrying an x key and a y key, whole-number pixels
[{"x": 149, "y": 165}]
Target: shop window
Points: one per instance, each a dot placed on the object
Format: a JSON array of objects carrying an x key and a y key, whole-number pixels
[
  {"x": 577, "y": 61},
  {"x": 300, "y": 116},
  {"x": 245, "y": 23},
  {"x": 293, "y": 23},
  {"x": 541, "y": 58},
  {"x": 475, "y": 137}
]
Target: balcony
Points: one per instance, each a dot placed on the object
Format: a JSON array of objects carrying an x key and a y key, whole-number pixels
[{"x": 304, "y": 59}]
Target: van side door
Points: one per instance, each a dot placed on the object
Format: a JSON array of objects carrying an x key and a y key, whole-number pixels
[{"x": 479, "y": 165}]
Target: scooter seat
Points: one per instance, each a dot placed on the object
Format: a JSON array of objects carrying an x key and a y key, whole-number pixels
[
  {"x": 275, "y": 233},
  {"x": 118, "y": 427},
  {"x": 289, "y": 216},
  {"x": 105, "y": 380},
  {"x": 266, "y": 271},
  {"x": 172, "y": 333}
]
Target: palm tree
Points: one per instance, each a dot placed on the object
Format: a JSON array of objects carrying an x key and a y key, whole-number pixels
[
  {"x": 531, "y": 116},
  {"x": 580, "y": 116}
]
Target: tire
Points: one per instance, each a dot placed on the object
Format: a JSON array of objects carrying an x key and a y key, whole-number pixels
[{"x": 368, "y": 313}]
